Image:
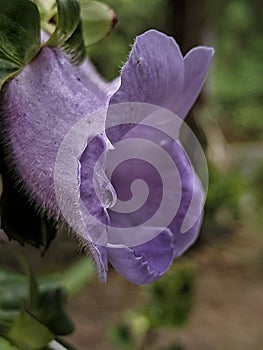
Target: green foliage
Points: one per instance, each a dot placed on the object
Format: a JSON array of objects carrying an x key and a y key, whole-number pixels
[
  {"x": 121, "y": 335},
  {"x": 47, "y": 10},
  {"x": 225, "y": 190},
  {"x": 133, "y": 19},
  {"x": 20, "y": 31},
  {"x": 170, "y": 301},
  {"x": 6, "y": 68},
  {"x": 171, "y": 297},
  {"x": 20, "y": 35},
  {"x": 68, "y": 17},
  {"x": 27, "y": 332},
  {"x": 238, "y": 66},
  {"x": 222, "y": 204},
  {"x": 78, "y": 25},
  {"x": 98, "y": 20},
  {"x": 5, "y": 345},
  {"x": 32, "y": 313}
]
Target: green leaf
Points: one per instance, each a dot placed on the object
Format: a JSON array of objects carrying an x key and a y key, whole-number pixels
[
  {"x": 32, "y": 282},
  {"x": 13, "y": 287},
  {"x": 28, "y": 333},
  {"x": 19, "y": 31},
  {"x": 46, "y": 301},
  {"x": 51, "y": 307},
  {"x": 68, "y": 18},
  {"x": 5, "y": 345},
  {"x": 98, "y": 20}
]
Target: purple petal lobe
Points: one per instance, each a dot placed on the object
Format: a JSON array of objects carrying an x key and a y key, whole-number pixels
[
  {"x": 192, "y": 197},
  {"x": 88, "y": 193},
  {"x": 154, "y": 72},
  {"x": 196, "y": 65},
  {"x": 145, "y": 263},
  {"x": 96, "y": 191}
]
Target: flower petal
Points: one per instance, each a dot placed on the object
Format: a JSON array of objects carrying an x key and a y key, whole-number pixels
[
  {"x": 145, "y": 263},
  {"x": 95, "y": 190},
  {"x": 41, "y": 104},
  {"x": 191, "y": 205},
  {"x": 183, "y": 201},
  {"x": 196, "y": 65},
  {"x": 154, "y": 72}
]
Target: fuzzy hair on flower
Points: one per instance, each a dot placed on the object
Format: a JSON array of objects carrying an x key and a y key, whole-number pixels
[{"x": 50, "y": 95}]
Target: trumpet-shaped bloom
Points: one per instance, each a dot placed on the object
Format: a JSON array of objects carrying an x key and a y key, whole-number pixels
[{"x": 50, "y": 96}]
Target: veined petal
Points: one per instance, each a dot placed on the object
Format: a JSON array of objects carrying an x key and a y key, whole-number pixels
[
  {"x": 154, "y": 72},
  {"x": 145, "y": 263},
  {"x": 196, "y": 65}
]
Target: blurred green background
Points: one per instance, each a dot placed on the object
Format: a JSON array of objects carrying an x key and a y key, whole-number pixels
[{"x": 212, "y": 297}]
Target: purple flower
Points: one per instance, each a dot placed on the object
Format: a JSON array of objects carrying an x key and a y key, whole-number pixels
[{"x": 50, "y": 96}]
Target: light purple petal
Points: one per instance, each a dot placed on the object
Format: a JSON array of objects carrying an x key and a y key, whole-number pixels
[
  {"x": 145, "y": 263},
  {"x": 154, "y": 72},
  {"x": 40, "y": 106},
  {"x": 196, "y": 65}
]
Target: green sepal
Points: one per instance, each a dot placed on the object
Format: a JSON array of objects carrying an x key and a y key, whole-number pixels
[
  {"x": 19, "y": 31},
  {"x": 7, "y": 71},
  {"x": 75, "y": 46},
  {"x": 98, "y": 20},
  {"x": 6, "y": 68},
  {"x": 68, "y": 18}
]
